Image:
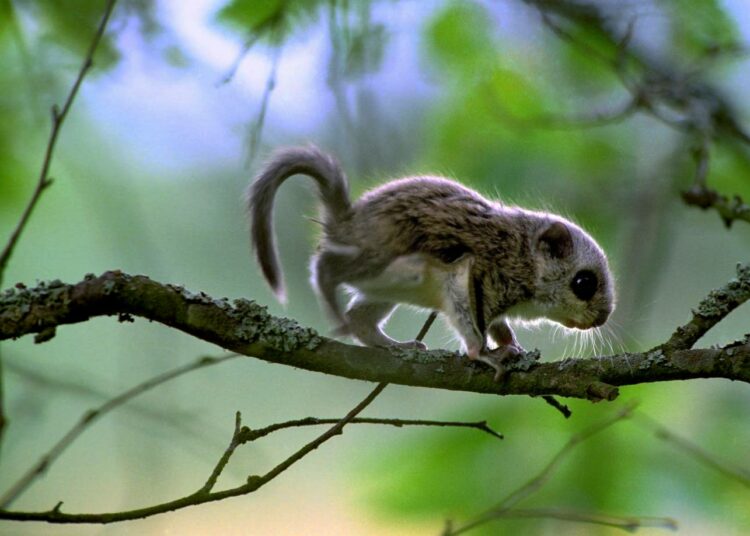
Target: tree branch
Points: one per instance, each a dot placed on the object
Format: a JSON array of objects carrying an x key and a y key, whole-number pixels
[
  {"x": 507, "y": 505},
  {"x": 251, "y": 435},
  {"x": 729, "y": 470},
  {"x": 701, "y": 196},
  {"x": 205, "y": 494},
  {"x": 626, "y": 523},
  {"x": 247, "y": 328},
  {"x": 711, "y": 310}
]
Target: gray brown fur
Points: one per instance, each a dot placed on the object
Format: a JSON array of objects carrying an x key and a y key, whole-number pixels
[
  {"x": 334, "y": 194},
  {"x": 432, "y": 242}
]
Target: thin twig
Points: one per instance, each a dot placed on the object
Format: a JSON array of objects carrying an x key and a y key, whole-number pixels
[
  {"x": 559, "y": 406},
  {"x": 729, "y": 210},
  {"x": 204, "y": 493},
  {"x": 222, "y": 463},
  {"x": 426, "y": 327},
  {"x": 711, "y": 310},
  {"x": 44, "y": 181},
  {"x": 701, "y": 156},
  {"x": 92, "y": 415},
  {"x": 253, "y": 434},
  {"x": 626, "y": 523},
  {"x": 565, "y": 35},
  {"x": 533, "y": 485},
  {"x": 700, "y": 195},
  {"x": 740, "y": 474},
  {"x": 331, "y": 432},
  {"x": 662, "y": 94},
  {"x": 247, "y": 45},
  {"x": 58, "y": 117},
  {"x": 256, "y": 130}
]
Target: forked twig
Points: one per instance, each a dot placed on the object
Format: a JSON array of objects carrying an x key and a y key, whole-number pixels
[{"x": 206, "y": 492}]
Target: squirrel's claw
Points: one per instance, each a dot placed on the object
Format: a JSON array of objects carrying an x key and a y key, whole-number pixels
[{"x": 499, "y": 358}]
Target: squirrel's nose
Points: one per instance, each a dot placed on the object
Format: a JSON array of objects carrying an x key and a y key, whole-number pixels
[{"x": 601, "y": 318}]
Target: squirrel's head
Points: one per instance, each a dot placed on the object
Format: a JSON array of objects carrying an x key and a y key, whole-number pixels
[{"x": 574, "y": 284}]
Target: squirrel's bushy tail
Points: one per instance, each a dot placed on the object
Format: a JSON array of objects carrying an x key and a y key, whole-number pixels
[{"x": 334, "y": 193}]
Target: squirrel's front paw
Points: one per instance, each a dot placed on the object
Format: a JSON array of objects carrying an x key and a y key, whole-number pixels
[{"x": 500, "y": 358}]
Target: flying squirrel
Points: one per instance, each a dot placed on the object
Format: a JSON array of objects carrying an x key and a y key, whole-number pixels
[{"x": 431, "y": 242}]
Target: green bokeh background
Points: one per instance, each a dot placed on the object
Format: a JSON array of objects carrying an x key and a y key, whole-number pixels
[{"x": 149, "y": 174}]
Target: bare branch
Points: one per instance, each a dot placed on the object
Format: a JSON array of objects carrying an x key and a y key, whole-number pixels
[
  {"x": 558, "y": 122},
  {"x": 205, "y": 493},
  {"x": 256, "y": 130},
  {"x": 247, "y": 45},
  {"x": 240, "y": 436},
  {"x": 700, "y": 195},
  {"x": 533, "y": 485},
  {"x": 222, "y": 463},
  {"x": 711, "y": 310},
  {"x": 683, "y": 101},
  {"x": 562, "y": 408},
  {"x": 626, "y": 523},
  {"x": 707, "y": 198},
  {"x": 91, "y": 416},
  {"x": 247, "y": 328},
  {"x": 536, "y": 483},
  {"x": 249, "y": 434},
  {"x": 740, "y": 474}
]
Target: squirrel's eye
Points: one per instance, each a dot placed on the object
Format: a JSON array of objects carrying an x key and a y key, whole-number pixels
[{"x": 584, "y": 285}]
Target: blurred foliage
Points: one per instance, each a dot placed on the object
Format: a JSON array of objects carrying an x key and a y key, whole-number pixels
[
  {"x": 269, "y": 20},
  {"x": 35, "y": 37},
  {"x": 461, "y": 38},
  {"x": 63, "y": 23},
  {"x": 700, "y": 27},
  {"x": 489, "y": 129},
  {"x": 358, "y": 43}
]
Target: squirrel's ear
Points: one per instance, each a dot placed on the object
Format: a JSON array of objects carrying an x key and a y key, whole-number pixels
[{"x": 556, "y": 241}]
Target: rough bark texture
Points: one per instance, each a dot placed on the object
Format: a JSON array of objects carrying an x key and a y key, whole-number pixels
[{"x": 244, "y": 326}]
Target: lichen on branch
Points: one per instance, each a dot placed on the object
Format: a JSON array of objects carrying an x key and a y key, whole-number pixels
[{"x": 248, "y": 328}]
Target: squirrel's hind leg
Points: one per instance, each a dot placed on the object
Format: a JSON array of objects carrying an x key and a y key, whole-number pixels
[{"x": 365, "y": 318}]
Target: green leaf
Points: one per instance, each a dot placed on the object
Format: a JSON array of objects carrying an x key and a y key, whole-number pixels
[{"x": 269, "y": 20}]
